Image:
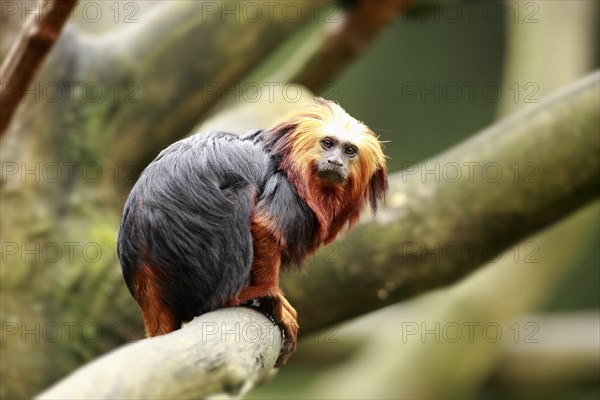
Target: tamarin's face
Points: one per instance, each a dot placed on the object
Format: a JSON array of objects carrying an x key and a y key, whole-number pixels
[
  {"x": 333, "y": 146},
  {"x": 334, "y": 164}
]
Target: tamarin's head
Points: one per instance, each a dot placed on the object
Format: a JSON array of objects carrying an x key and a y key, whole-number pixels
[{"x": 326, "y": 147}]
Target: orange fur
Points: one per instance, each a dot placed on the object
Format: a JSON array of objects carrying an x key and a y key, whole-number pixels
[{"x": 264, "y": 279}]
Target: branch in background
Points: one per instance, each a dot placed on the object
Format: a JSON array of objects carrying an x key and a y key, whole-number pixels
[
  {"x": 227, "y": 351},
  {"x": 517, "y": 177},
  {"x": 27, "y": 54},
  {"x": 183, "y": 72},
  {"x": 358, "y": 27},
  {"x": 376, "y": 269},
  {"x": 563, "y": 357}
]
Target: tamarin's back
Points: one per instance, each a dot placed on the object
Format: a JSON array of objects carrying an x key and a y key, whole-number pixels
[
  {"x": 185, "y": 227},
  {"x": 185, "y": 232}
]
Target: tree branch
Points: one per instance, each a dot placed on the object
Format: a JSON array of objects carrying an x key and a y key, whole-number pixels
[
  {"x": 181, "y": 73},
  {"x": 564, "y": 357},
  {"x": 517, "y": 177},
  {"x": 226, "y": 351},
  {"x": 27, "y": 54},
  {"x": 347, "y": 40}
]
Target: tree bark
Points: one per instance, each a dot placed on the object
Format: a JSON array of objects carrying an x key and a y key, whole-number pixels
[
  {"x": 28, "y": 53},
  {"x": 223, "y": 352},
  {"x": 349, "y": 36}
]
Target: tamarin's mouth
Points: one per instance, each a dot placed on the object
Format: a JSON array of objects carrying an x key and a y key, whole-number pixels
[{"x": 331, "y": 176}]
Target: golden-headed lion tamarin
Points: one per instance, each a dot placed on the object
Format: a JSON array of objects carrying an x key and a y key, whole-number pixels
[{"x": 214, "y": 217}]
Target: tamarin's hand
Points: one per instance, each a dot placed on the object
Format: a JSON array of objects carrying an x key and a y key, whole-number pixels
[{"x": 214, "y": 217}]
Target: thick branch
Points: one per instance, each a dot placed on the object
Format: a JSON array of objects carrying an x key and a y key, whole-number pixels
[
  {"x": 348, "y": 38},
  {"x": 563, "y": 356},
  {"x": 27, "y": 54},
  {"x": 517, "y": 177},
  {"x": 181, "y": 73},
  {"x": 226, "y": 351}
]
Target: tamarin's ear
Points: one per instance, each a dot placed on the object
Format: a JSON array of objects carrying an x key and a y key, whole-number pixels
[{"x": 377, "y": 187}]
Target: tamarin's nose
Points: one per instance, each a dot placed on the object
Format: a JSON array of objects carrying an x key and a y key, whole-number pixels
[{"x": 335, "y": 161}]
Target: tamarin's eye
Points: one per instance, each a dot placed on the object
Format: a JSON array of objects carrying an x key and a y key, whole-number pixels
[
  {"x": 350, "y": 150},
  {"x": 327, "y": 143}
]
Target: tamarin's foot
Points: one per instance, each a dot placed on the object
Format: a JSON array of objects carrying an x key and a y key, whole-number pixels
[{"x": 286, "y": 317}]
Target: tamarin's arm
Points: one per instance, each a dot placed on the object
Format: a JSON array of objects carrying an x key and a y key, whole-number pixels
[
  {"x": 264, "y": 284},
  {"x": 281, "y": 227},
  {"x": 289, "y": 218}
]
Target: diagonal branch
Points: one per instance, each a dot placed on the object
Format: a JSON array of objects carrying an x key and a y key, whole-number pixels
[
  {"x": 27, "y": 54},
  {"x": 181, "y": 73},
  {"x": 450, "y": 214},
  {"x": 219, "y": 352},
  {"x": 347, "y": 40}
]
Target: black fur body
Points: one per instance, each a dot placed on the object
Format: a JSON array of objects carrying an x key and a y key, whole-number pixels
[{"x": 188, "y": 216}]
